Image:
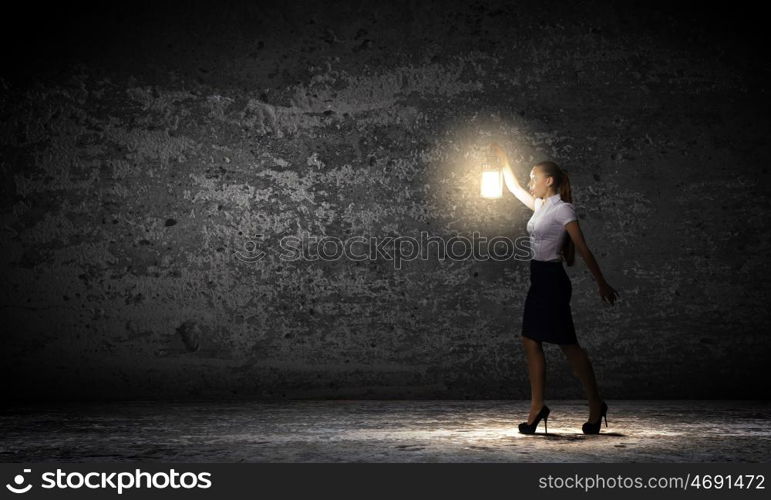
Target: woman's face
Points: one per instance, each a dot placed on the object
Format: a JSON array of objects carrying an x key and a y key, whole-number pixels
[{"x": 538, "y": 186}]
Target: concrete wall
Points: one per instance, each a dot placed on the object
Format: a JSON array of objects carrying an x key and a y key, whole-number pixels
[{"x": 150, "y": 155}]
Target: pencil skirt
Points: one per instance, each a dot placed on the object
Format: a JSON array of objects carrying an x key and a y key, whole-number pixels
[{"x": 547, "y": 316}]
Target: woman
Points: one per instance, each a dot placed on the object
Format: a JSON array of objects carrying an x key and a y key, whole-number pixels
[{"x": 547, "y": 315}]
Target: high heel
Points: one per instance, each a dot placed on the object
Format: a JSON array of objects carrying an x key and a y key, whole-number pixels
[
  {"x": 526, "y": 428},
  {"x": 594, "y": 427}
]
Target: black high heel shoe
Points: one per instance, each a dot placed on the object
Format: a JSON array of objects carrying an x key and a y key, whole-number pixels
[
  {"x": 594, "y": 427},
  {"x": 526, "y": 428}
]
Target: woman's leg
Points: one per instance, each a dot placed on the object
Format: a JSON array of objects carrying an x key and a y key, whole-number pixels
[
  {"x": 536, "y": 366},
  {"x": 582, "y": 368}
]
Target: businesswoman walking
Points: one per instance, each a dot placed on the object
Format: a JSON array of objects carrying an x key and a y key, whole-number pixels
[{"x": 554, "y": 236}]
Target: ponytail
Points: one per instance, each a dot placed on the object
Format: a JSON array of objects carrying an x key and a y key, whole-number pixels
[{"x": 562, "y": 184}]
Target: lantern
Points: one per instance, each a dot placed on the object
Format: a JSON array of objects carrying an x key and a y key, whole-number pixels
[{"x": 492, "y": 179}]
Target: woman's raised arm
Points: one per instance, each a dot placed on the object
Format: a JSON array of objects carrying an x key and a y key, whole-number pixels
[{"x": 511, "y": 181}]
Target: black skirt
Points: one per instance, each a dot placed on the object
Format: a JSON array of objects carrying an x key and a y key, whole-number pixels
[{"x": 547, "y": 316}]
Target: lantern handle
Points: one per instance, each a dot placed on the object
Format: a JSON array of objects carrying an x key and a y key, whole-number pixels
[{"x": 499, "y": 152}]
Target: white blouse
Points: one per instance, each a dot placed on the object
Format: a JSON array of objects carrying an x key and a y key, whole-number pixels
[{"x": 547, "y": 227}]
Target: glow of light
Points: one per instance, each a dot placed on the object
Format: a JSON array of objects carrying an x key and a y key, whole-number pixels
[{"x": 492, "y": 183}]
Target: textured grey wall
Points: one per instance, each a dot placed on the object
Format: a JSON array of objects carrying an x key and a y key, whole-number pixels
[{"x": 149, "y": 156}]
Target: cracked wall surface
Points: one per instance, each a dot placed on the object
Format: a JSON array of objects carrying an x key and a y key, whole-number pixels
[{"x": 154, "y": 162}]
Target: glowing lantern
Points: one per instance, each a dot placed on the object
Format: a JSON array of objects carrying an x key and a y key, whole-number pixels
[{"x": 492, "y": 180}]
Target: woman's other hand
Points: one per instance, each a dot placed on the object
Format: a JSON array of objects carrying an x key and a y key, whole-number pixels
[{"x": 607, "y": 293}]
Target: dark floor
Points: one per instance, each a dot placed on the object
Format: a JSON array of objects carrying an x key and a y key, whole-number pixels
[{"x": 384, "y": 431}]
